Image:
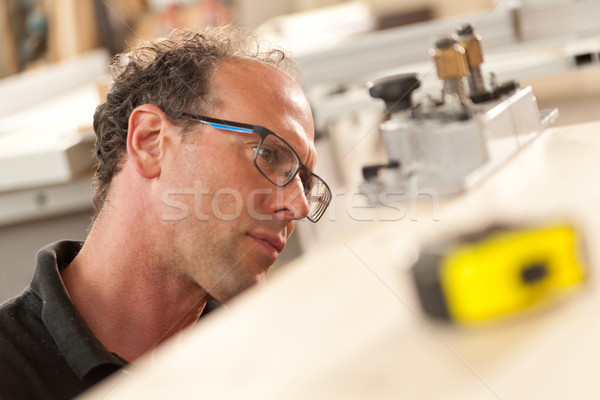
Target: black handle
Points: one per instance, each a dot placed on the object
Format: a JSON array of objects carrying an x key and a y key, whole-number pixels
[
  {"x": 371, "y": 171},
  {"x": 395, "y": 91}
]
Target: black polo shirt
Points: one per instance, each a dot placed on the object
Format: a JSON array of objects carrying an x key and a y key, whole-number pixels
[{"x": 46, "y": 349}]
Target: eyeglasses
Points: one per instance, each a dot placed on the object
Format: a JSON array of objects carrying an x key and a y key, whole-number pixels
[{"x": 277, "y": 161}]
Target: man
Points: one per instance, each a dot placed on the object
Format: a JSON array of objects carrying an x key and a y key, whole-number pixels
[{"x": 205, "y": 152}]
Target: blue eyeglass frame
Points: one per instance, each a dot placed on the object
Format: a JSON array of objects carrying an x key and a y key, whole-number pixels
[{"x": 263, "y": 132}]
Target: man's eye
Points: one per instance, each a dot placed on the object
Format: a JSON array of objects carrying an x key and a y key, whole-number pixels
[{"x": 267, "y": 155}]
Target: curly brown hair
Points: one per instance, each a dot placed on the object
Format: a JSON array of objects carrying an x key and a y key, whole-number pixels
[{"x": 173, "y": 74}]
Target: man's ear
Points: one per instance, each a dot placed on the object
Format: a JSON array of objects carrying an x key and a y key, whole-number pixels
[{"x": 145, "y": 139}]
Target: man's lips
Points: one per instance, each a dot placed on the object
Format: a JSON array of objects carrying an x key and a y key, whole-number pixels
[{"x": 273, "y": 241}]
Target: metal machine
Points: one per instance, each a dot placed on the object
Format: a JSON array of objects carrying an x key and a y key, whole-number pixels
[{"x": 440, "y": 143}]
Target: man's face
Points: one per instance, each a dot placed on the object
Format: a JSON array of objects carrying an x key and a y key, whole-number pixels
[{"x": 237, "y": 221}]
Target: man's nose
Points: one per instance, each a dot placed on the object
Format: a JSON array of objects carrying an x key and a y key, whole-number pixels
[{"x": 294, "y": 198}]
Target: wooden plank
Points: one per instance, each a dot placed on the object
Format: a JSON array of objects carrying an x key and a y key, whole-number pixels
[{"x": 9, "y": 63}]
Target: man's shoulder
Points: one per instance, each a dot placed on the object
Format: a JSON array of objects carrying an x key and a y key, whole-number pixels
[
  {"x": 20, "y": 325},
  {"x": 12, "y": 384},
  {"x": 31, "y": 364},
  {"x": 20, "y": 312},
  {"x": 21, "y": 331},
  {"x": 43, "y": 353}
]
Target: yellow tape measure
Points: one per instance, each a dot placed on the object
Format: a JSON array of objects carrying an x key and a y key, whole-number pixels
[{"x": 497, "y": 272}]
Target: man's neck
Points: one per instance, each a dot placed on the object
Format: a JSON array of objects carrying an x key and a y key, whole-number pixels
[{"x": 117, "y": 283}]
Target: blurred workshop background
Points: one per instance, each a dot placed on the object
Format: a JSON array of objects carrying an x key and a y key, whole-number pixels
[{"x": 54, "y": 54}]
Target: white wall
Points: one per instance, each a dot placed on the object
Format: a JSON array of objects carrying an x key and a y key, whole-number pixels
[{"x": 19, "y": 244}]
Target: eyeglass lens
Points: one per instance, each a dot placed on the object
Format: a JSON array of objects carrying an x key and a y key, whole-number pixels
[
  {"x": 276, "y": 160},
  {"x": 318, "y": 197}
]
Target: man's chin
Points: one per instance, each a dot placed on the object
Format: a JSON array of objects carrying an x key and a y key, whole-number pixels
[{"x": 244, "y": 285}]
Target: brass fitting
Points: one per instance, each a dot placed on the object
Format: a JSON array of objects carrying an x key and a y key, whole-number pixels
[
  {"x": 471, "y": 42},
  {"x": 450, "y": 59}
]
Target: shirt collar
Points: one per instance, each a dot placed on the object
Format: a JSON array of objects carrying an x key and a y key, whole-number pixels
[{"x": 74, "y": 339}]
